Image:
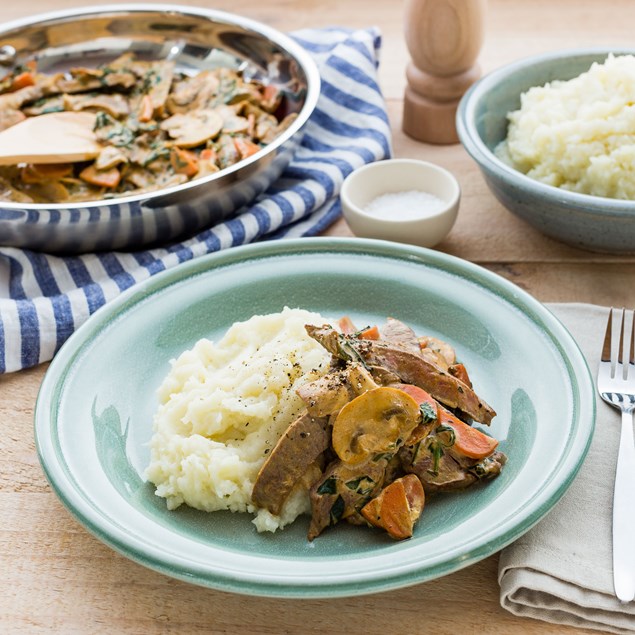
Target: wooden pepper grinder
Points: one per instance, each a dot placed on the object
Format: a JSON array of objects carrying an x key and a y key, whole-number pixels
[{"x": 444, "y": 38}]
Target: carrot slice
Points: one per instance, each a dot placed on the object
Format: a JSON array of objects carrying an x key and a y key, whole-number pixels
[
  {"x": 271, "y": 97},
  {"x": 23, "y": 80},
  {"x": 210, "y": 155},
  {"x": 468, "y": 441},
  {"x": 397, "y": 508},
  {"x": 270, "y": 92},
  {"x": 101, "y": 178},
  {"x": 420, "y": 396},
  {"x": 38, "y": 172},
  {"x": 369, "y": 333},
  {"x": 146, "y": 109},
  {"x": 184, "y": 162},
  {"x": 245, "y": 148},
  {"x": 346, "y": 325}
]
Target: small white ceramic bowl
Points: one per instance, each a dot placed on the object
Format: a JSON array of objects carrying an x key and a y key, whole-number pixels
[{"x": 400, "y": 175}]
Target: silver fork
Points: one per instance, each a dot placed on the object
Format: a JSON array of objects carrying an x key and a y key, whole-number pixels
[{"x": 616, "y": 385}]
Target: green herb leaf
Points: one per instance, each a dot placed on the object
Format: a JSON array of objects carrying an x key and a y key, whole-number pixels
[
  {"x": 428, "y": 412},
  {"x": 328, "y": 487},
  {"x": 337, "y": 511},
  {"x": 437, "y": 453},
  {"x": 102, "y": 119},
  {"x": 348, "y": 352},
  {"x": 415, "y": 452},
  {"x": 358, "y": 333},
  {"x": 451, "y": 435}
]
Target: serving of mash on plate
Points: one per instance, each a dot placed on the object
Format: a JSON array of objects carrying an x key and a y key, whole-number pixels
[{"x": 223, "y": 407}]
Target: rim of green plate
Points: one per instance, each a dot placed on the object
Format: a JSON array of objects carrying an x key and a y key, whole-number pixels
[{"x": 578, "y": 372}]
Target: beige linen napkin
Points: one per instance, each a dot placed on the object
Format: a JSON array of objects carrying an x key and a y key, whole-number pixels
[{"x": 561, "y": 570}]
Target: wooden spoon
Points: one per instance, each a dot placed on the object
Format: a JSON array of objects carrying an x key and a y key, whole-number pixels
[{"x": 57, "y": 137}]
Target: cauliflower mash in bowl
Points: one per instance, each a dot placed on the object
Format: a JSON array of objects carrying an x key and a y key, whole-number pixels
[
  {"x": 578, "y": 134},
  {"x": 554, "y": 137}
]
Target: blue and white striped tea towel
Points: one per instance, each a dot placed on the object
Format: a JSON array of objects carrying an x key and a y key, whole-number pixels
[{"x": 44, "y": 298}]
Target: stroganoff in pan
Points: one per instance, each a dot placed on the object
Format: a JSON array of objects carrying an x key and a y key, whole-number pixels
[{"x": 158, "y": 127}]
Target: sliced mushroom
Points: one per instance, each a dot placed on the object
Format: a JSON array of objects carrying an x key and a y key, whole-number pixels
[
  {"x": 233, "y": 89},
  {"x": 265, "y": 123},
  {"x": 192, "y": 93},
  {"x": 44, "y": 106},
  {"x": 226, "y": 151},
  {"x": 141, "y": 178},
  {"x": 447, "y": 352},
  {"x": 124, "y": 61},
  {"x": 193, "y": 129},
  {"x": 115, "y": 105},
  {"x": 272, "y": 133},
  {"x": 9, "y": 193},
  {"x": 235, "y": 124},
  {"x": 48, "y": 191},
  {"x": 16, "y": 99},
  {"x": 110, "y": 157},
  {"x": 377, "y": 422},
  {"x": 149, "y": 180}
]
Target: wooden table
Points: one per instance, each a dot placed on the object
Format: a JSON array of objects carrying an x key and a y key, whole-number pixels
[{"x": 57, "y": 578}]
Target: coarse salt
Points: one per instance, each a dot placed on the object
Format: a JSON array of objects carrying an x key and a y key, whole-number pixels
[{"x": 409, "y": 205}]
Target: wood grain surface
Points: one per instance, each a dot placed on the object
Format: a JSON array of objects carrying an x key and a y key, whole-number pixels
[{"x": 57, "y": 578}]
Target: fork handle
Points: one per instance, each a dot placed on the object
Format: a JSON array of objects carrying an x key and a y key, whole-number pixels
[{"x": 624, "y": 514}]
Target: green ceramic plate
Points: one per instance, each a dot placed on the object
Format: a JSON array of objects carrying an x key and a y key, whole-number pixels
[{"x": 93, "y": 418}]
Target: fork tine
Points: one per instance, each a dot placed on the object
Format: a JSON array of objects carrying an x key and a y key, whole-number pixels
[
  {"x": 631, "y": 357},
  {"x": 606, "y": 349},
  {"x": 620, "y": 356}
]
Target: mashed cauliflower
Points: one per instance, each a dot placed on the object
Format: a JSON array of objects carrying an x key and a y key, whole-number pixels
[
  {"x": 579, "y": 134},
  {"x": 223, "y": 407}
]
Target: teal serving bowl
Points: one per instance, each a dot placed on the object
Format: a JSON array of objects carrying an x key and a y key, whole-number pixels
[{"x": 589, "y": 222}]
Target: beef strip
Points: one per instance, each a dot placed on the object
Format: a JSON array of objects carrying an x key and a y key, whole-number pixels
[
  {"x": 330, "y": 393},
  {"x": 396, "y": 333},
  {"x": 459, "y": 371},
  {"x": 383, "y": 376},
  {"x": 410, "y": 368},
  {"x": 303, "y": 442},
  {"x": 343, "y": 491},
  {"x": 440, "y": 467}
]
